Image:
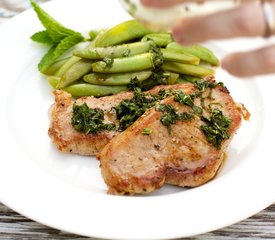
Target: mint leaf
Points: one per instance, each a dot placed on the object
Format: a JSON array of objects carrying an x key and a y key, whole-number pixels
[
  {"x": 47, "y": 60},
  {"x": 56, "y": 30},
  {"x": 42, "y": 37},
  {"x": 57, "y": 50},
  {"x": 60, "y": 37}
]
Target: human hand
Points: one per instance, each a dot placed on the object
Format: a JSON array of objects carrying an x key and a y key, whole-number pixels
[{"x": 248, "y": 20}]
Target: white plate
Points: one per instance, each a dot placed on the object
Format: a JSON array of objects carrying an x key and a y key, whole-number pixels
[{"x": 66, "y": 191}]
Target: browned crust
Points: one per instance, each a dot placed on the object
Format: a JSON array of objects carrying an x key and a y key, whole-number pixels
[
  {"x": 185, "y": 177},
  {"x": 187, "y": 168},
  {"x": 67, "y": 139}
]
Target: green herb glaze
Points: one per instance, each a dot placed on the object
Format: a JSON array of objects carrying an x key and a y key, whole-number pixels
[{"x": 88, "y": 120}]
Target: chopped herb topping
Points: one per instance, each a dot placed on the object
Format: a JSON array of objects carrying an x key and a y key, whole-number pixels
[
  {"x": 89, "y": 120},
  {"x": 170, "y": 115},
  {"x": 157, "y": 56},
  {"x": 126, "y": 53},
  {"x": 186, "y": 99},
  {"x": 134, "y": 83},
  {"x": 216, "y": 128},
  {"x": 203, "y": 85},
  {"x": 162, "y": 94},
  {"x": 159, "y": 77},
  {"x": 147, "y": 131},
  {"x": 108, "y": 62},
  {"x": 129, "y": 110}
]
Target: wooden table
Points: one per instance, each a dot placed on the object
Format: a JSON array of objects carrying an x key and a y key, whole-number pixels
[{"x": 13, "y": 226}]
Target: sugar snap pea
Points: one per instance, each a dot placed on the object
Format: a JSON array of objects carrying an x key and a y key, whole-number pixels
[
  {"x": 69, "y": 63},
  {"x": 174, "y": 56},
  {"x": 130, "y": 64},
  {"x": 86, "y": 89},
  {"x": 75, "y": 72},
  {"x": 187, "y": 69},
  {"x": 172, "y": 78},
  {"x": 93, "y": 34},
  {"x": 74, "y": 68},
  {"x": 52, "y": 69},
  {"x": 201, "y": 52},
  {"x": 53, "y": 81},
  {"x": 119, "y": 51},
  {"x": 116, "y": 78},
  {"x": 161, "y": 39},
  {"x": 122, "y": 33},
  {"x": 191, "y": 79}
]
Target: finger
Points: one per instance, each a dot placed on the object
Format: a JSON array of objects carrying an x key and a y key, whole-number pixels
[
  {"x": 247, "y": 20},
  {"x": 261, "y": 61},
  {"x": 161, "y": 3}
]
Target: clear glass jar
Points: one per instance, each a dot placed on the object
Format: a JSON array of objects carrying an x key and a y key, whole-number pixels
[{"x": 162, "y": 19}]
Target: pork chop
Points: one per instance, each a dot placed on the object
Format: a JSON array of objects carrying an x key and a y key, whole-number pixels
[
  {"x": 69, "y": 140},
  {"x": 138, "y": 163}
]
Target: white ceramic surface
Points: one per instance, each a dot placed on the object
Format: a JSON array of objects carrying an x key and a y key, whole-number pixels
[{"x": 66, "y": 191}]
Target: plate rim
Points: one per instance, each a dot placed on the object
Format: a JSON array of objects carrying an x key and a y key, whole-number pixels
[{"x": 114, "y": 198}]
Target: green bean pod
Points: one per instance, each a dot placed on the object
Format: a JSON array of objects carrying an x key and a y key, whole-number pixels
[
  {"x": 191, "y": 79},
  {"x": 52, "y": 70},
  {"x": 116, "y": 78},
  {"x": 75, "y": 72},
  {"x": 65, "y": 67},
  {"x": 93, "y": 34},
  {"x": 172, "y": 78},
  {"x": 119, "y": 51},
  {"x": 129, "y": 64},
  {"x": 161, "y": 39},
  {"x": 201, "y": 52},
  {"x": 53, "y": 81},
  {"x": 174, "y": 56},
  {"x": 122, "y": 33},
  {"x": 192, "y": 70},
  {"x": 73, "y": 59},
  {"x": 85, "y": 89}
]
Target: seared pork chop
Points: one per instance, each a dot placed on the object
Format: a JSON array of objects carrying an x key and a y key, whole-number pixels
[
  {"x": 134, "y": 162},
  {"x": 63, "y": 134},
  {"x": 69, "y": 140}
]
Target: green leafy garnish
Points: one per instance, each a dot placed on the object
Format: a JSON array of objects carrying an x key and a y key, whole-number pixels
[
  {"x": 157, "y": 56},
  {"x": 159, "y": 77},
  {"x": 58, "y": 50},
  {"x": 42, "y": 37},
  {"x": 203, "y": 85},
  {"x": 134, "y": 83},
  {"x": 216, "y": 128},
  {"x": 129, "y": 110},
  {"x": 186, "y": 99},
  {"x": 108, "y": 62},
  {"x": 126, "y": 53},
  {"x": 89, "y": 120},
  {"x": 170, "y": 115},
  {"x": 59, "y": 37}
]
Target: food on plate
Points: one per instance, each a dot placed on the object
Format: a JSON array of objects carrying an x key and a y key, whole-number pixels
[
  {"x": 148, "y": 108},
  {"x": 115, "y": 57},
  {"x": 71, "y": 140},
  {"x": 176, "y": 134},
  {"x": 189, "y": 134}
]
